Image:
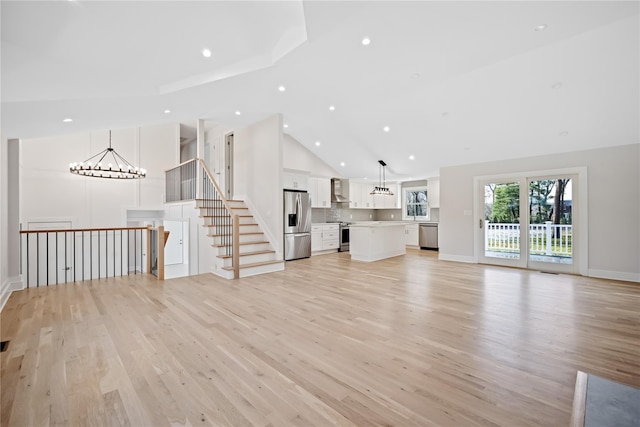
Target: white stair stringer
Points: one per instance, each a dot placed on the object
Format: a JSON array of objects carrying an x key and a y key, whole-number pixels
[{"x": 256, "y": 253}]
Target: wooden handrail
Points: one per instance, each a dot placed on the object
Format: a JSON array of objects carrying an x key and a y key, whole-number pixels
[
  {"x": 78, "y": 230},
  {"x": 215, "y": 184},
  {"x": 182, "y": 164}
]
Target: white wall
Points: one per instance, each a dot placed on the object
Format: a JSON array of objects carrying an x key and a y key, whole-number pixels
[
  {"x": 613, "y": 205},
  {"x": 298, "y": 157},
  {"x": 50, "y": 192},
  {"x": 9, "y": 221},
  {"x": 258, "y": 174}
]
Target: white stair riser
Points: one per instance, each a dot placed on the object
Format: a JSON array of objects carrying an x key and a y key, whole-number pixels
[
  {"x": 217, "y": 240},
  {"x": 261, "y": 269},
  {"x": 248, "y": 248},
  {"x": 249, "y": 259},
  {"x": 231, "y": 203},
  {"x": 222, "y": 211},
  {"x": 225, "y": 229},
  {"x": 208, "y": 220}
]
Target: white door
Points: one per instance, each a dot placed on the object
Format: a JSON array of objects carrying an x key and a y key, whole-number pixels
[
  {"x": 228, "y": 167},
  {"x": 173, "y": 249}
]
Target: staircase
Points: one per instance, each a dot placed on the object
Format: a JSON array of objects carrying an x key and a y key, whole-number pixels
[{"x": 256, "y": 255}]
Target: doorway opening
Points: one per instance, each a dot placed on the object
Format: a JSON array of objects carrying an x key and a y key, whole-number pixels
[{"x": 176, "y": 250}]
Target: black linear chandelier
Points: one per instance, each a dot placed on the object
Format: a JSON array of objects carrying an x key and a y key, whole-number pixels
[
  {"x": 109, "y": 164},
  {"x": 382, "y": 183}
]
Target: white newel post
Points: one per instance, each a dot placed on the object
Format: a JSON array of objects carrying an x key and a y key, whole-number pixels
[
  {"x": 548, "y": 229},
  {"x": 199, "y": 155}
]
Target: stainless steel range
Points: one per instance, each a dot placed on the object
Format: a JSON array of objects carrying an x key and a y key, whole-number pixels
[{"x": 344, "y": 237}]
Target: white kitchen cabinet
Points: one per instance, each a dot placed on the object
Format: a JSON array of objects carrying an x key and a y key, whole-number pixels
[
  {"x": 355, "y": 198},
  {"x": 330, "y": 236},
  {"x": 320, "y": 190},
  {"x": 295, "y": 180},
  {"x": 316, "y": 238},
  {"x": 412, "y": 237},
  {"x": 381, "y": 201},
  {"x": 365, "y": 196},
  {"x": 325, "y": 238},
  {"x": 433, "y": 192}
]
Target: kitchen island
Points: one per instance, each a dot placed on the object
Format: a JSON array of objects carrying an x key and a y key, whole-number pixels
[{"x": 376, "y": 240}]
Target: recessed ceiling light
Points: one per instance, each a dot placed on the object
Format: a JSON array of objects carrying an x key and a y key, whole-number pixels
[
  {"x": 386, "y": 129},
  {"x": 467, "y": 148},
  {"x": 556, "y": 85},
  {"x": 317, "y": 143},
  {"x": 445, "y": 113},
  {"x": 238, "y": 113},
  {"x": 286, "y": 125},
  {"x": 167, "y": 111},
  {"x": 342, "y": 164},
  {"x": 366, "y": 177},
  {"x": 366, "y": 41},
  {"x": 411, "y": 157},
  {"x": 206, "y": 53},
  {"x": 332, "y": 108},
  {"x": 540, "y": 27},
  {"x": 415, "y": 75},
  {"x": 563, "y": 133},
  {"x": 67, "y": 120},
  {"x": 282, "y": 88}
]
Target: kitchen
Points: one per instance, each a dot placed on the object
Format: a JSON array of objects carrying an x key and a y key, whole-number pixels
[{"x": 340, "y": 206}]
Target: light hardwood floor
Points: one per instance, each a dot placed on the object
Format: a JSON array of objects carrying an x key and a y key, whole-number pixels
[{"x": 409, "y": 341}]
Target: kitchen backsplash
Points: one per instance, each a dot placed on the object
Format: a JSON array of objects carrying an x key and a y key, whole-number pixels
[{"x": 338, "y": 214}]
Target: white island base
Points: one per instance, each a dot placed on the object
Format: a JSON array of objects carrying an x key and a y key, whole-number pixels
[{"x": 373, "y": 241}]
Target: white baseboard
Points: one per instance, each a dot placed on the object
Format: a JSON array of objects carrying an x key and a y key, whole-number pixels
[
  {"x": 457, "y": 258},
  {"x": 9, "y": 285},
  {"x": 614, "y": 275}
]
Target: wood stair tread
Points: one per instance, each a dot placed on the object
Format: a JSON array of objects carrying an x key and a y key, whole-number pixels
[
  {"x": 255, "y": 264},
  {"x": 257, "y": 242},
  {"x": 248, "y": 254},
  {"x": 217, "y": 200},
  {"x": 228, "y": 234},
  {"x": 223, "y": 216},
  {"x": 229, "y": 225}
]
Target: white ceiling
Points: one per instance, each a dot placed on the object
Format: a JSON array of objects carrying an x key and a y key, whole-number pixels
[{"x": 456, "y": 82}]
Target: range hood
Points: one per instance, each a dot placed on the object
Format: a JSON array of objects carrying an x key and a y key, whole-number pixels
[{"x": 339, "y": 190}]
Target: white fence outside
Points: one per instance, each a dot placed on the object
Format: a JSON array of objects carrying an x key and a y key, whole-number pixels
[{"x": 544, "y": 239}]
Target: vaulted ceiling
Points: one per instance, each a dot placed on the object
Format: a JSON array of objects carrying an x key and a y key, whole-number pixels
[{"x": 453, "y": 82}]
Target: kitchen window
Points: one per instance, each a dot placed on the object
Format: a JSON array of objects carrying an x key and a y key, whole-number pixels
[{"x": 415, "y": 203}]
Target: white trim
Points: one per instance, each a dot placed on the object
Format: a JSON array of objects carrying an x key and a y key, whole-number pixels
[
  {"x": 403, "y": 203},
  {"x": 614, "y": 275},
  {"x": 457, "y": 258},
  {"x": 10, "y": 285}
]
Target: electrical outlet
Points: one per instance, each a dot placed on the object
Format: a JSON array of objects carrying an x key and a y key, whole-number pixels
[
  {"x": 370, "y": 216},
  {"x": 350, "y": 216},
  {"x": 391, "y": 216}
]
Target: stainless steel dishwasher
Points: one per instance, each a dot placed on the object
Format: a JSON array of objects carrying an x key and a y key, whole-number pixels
[{"x": 428, "y": 236}]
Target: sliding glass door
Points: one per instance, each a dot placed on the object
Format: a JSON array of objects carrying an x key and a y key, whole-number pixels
[
  {"x": 500, "y": 225},
  {"x": 527, "y": 222},
  {"x": 551, "y": 232}
]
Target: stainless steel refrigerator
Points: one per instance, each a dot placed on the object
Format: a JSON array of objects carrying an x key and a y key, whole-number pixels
[{"x": 297, "y": 225}]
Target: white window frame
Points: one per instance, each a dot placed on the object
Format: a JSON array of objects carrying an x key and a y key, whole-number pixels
[{"x": 406, "y": 190}]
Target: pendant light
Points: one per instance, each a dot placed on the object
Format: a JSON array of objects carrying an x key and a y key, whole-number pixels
[
  {"x": 109, "y": 164},
  {"x": 382, "y": 188}
]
